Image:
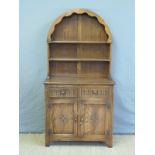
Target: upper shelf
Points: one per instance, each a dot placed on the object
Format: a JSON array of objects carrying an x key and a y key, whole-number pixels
[
  {"x": 78, "y": 59},
  {"x": 78, "y": 42}
]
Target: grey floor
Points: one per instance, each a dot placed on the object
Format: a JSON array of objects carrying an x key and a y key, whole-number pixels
[{"x": 33, "y": 144}]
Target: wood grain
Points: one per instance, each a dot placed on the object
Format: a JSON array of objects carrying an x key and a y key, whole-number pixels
[
  {"x": 78, "y": 88},
  {"x": 79, "y": 11}
]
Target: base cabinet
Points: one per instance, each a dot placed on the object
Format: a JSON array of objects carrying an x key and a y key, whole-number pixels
[{"x": 78, "y": 113}]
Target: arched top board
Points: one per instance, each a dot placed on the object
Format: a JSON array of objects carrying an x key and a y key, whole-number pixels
[{"x": 58, "y": 31}]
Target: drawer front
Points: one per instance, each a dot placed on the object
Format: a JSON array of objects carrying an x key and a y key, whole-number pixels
[
  {"x": 104, "y": 91},
  {"x": 62, "y": 92}
]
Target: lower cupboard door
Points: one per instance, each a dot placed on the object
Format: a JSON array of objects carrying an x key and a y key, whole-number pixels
[
  {"x": 93, "y": 119},
  {"x": 62, "y": 118}
]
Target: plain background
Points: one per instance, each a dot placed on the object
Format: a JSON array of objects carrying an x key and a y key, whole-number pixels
[
  {"x": 35, "y": 20},
  {"x": 145, "y": 83}
]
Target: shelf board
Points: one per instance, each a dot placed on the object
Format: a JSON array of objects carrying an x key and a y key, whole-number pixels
[
  {"x": 78, "y": 59},
  {"x": 78, "y": 80},
  {"x": 78, "y": 42}
]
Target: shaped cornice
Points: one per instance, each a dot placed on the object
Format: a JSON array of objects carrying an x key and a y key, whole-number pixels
[{"x": 79, "y": 11}]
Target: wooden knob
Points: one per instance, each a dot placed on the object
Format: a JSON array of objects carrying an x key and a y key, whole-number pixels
[
  {"x": 82, "y": 119},
  {"x": 95, "y": 92},
  {"x": 62, "y": 91}
]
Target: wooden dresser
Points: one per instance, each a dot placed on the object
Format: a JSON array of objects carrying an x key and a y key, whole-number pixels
[{"x": 79, "y": 89}]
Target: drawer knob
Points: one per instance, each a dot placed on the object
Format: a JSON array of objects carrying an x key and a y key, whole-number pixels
[
  {"x": 95, "y": 92},
  {"x": 62, "y": 92},
  {"x": 82, "y": 119}
]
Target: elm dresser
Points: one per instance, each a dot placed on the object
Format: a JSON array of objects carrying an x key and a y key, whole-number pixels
[{"x": 79, "y": 88}]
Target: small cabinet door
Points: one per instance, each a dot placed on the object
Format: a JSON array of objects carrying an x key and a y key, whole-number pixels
[
  {"x": 62, "y": 118},
  {"x": 92, "y": 117},
  {"x": 94, "y": 111}
]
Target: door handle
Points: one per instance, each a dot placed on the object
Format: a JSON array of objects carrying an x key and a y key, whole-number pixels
[
  {"x": 95, "y": 92},
  {"x": 75, "y": 118},
  {"x": 81, "y": 121}
]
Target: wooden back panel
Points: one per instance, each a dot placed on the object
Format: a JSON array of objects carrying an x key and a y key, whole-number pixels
[
  {"x": 67, "y": 29},
  {"x": 91, "y": 29},
  {"x": 79, "y": 46}
]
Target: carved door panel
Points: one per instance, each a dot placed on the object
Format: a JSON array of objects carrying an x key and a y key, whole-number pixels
[
  {"x": 62, "y": 118},
  {"x": 95, "y": 111},
  {"x": 92, "y": 117}
]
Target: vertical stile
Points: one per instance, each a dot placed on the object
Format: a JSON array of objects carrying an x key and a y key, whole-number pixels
[
  {"x": 78, "y": 46},
  {"x": 110, "y": 65},
  {"x": 48, "y": 57}
]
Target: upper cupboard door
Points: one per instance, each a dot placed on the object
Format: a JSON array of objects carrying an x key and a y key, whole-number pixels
[{"x": 62, "y": 118}]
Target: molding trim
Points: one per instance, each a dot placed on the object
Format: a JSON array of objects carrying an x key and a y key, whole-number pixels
[{"x": 79, "y": 11}]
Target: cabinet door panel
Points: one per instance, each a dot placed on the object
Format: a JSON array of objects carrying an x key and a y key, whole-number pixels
[
  {"x": 95, "y": 110},
  {"x": 93, "y": 118},
  {"x": 62, "y": 118}
]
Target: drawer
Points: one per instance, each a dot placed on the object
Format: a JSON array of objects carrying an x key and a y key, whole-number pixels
[
  {"x": 104, "y": 91},
  {"x": 62, "y": 92},
  {"x": 93, "y": 100}
]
